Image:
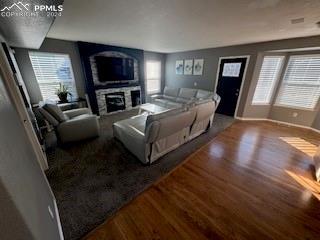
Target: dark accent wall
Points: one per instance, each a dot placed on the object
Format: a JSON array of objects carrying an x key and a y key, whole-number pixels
[
  {"x": 211, "y": 60},
  {"x": 88, "y": 49}
]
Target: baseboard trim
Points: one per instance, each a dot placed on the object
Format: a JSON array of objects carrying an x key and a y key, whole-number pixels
[{"x": 279, "y": 122}]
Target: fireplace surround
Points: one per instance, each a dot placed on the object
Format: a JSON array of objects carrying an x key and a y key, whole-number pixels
[{"x": 131, "y": 98}]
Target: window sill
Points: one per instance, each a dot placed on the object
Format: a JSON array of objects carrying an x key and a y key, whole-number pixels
[
  {"x": 260, "y": 104},
  {"x": 293, "y": 107}
]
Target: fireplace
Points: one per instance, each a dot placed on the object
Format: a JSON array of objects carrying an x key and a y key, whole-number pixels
[
  {"x": 115, "y": 101},
  {"x": 111, "y": 100}
]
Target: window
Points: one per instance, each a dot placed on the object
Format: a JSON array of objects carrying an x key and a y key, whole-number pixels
[
  {"x": 301, "y": 84},
  {"x": 267, "y": 80},
  {"x": 153, "y": 77},
  {"x": 51, "y": 69}
]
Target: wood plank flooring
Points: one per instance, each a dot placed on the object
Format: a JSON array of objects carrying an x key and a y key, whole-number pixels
[{"x": 253, "y": 181}]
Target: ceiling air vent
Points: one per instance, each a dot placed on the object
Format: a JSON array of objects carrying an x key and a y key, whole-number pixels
[{"x": 297, "y": 20}]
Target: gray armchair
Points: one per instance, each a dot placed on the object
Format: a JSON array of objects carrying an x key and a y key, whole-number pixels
[{"x": 72, "y": 125}]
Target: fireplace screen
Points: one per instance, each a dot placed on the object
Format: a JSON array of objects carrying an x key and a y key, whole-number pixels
[{"x": 115, "y": 101}]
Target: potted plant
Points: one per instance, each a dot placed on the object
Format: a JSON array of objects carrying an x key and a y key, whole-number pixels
[{"x": 63, "y": 92}]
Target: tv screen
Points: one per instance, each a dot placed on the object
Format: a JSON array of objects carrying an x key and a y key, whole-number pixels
[{"x": 114, "y": 69}]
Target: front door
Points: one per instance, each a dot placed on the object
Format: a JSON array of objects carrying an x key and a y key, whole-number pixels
[{"x": 231, "y": 71}]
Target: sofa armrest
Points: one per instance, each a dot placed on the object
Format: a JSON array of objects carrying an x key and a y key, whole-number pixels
[
  {"x": 79, "y": 129},
  {"x": 76, "y": 112}
]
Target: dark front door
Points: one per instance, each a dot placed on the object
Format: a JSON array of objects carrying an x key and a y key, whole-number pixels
[{"x": 231, "y": 72}]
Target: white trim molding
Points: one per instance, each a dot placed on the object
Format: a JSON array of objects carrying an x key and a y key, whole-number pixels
[
  {"x": 243, "y": 77},
  {"x": 278, "y": 122}
]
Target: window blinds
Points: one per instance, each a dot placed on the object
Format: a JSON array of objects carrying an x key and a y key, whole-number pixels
[
  {"x": 268, "y": 77},
  {"x": 50, "y": 70},
  {"x": 153, "y": 77},
  {"x": 301, "y": 84}
]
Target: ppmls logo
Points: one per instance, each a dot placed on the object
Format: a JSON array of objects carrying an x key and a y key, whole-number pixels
[
  {"x": 26, "y": 10},
  {"x": 20, "y": 6}
]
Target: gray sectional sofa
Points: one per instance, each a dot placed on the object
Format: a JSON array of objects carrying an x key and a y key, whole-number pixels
[
  {"x": 178, "y": 97},
  {"x": 151, "y": 136}
]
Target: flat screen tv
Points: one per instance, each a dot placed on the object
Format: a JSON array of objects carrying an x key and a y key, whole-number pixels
[{"x": 114, "y": 69}]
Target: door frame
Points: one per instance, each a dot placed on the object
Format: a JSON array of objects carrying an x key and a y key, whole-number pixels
[
  {"x": 15, "y": 95},
  {"x": 243, "y": 77}
]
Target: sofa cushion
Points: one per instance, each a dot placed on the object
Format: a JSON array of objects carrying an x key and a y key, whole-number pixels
[
  {"x": 56, "y": 112},
  {"x": 188, "y": 93},
  {"x": 216, "y": 99},
  {"x": 316, "y": 160},
  {"x": 172, "y": 92},
  {"x": 161, "y": 102},
  {"x": 169, "y": 98},
  {"x": 202, "y": 94},
  {"x": 184, "y": 100},
  {"x": 173, "y": 105},
  {"x": 136, "y": 123},
  {"x": 154, "y": 124},
  {"x": 202, "y": 101},
  {"x": 167, "y": 103},
  {"x": 131, "y": 133},
  {"x": 158, "y": 116}
]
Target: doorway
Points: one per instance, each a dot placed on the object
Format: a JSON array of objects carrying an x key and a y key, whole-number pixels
[{"x": 230, "y": 77}]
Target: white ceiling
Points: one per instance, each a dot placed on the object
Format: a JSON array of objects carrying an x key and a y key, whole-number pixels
[{"x": 179, "y": 25}]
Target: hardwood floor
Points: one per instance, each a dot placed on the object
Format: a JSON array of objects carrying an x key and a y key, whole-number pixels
[{"x": 253, "y": 181}]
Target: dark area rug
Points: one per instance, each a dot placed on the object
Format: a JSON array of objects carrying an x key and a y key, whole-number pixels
[{"x": 91, "y": 180}]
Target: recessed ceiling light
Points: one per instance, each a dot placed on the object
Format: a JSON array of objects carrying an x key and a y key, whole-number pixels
[{"x": 297, "y": 20}]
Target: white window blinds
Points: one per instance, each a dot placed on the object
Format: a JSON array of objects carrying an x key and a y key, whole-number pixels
[
  {"x": 50, "y": 70},
  {"x": 267, "y": 80},
  {"x": 301, "y": 84},
  {"x": 153, "y": 76}
]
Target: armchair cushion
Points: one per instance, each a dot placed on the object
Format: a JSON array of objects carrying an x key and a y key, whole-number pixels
[
  {"x": 78, "y": 128},
  {"x": 47, "y": 116},
  {"x": 76, "y": 112},
  {"x": 55, "y": 111}
]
